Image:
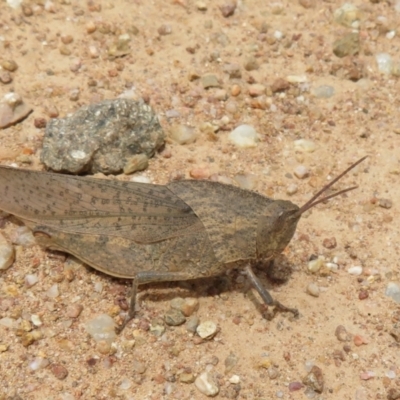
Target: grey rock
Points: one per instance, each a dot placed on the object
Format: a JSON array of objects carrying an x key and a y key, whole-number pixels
[
  {"x": 102, "y": 137},
  {"x": 348, "y": 45}
]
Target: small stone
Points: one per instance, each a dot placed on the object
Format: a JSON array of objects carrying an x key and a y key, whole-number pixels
[
  {"x": 174, "y": 317},
  {"x": 315, "y": 265},
  {"x": 221, "y": 95},
  {"x": 36, "y": 320},
  {"x": 199, "y": 173},
  {"x": 12, "y": 110},
  {"x": 101, "y": 328},
  {"x": 157, "y": 327},
  {"x": 192, "y": 323},
  {"x": 189, "y": 306},
  {"x": 5, "y": 77},
  {"x": 314, "y": 379},
  {"x": 393, "y": 291},
  {"x": 256, "y": 90},
  {"x": 210, "y": 81},
  {"x": 301, "y": 172},
  {"x": 251, "y": 64},
  {"x": 201, "y": 6},
  {"x": 356, "y": 270},
  {"x": 186, "y": 377},
  {"x": 59, "y": 371},
  {"x": 273, "y": 372},
  {"x": 138, "y": 367},
  {"x": 292, "y": 189},
  {"x": 182, "y": 134},
  {"x": 9, "y": 65},
  {"x": 164, "y": 29},
  {"x": 90, "y": 27},
  {"x": 207, "y": 329},
  {"x": 230, "y": 362},
  {"x": 53, "y": 292},
  {"x": 294, "y": 386},
  {"x": 359, "y": 340},
  {"x": 40, "y": 123},
  {"x": 323, "y": 91},
  {"x": 103, "y": 347},
  {"x": 235, "y": 91},
  {"x": 348, "y": 15},
  {"x": 244, "y": 136},
  {"x": 233, "y": 70},
  {"x": 329, "y": 243},
  {"x": 74, "y": 310},
  {"x": 341, "y": 334},
  {"x": 207, "y": 384},
  {"x": 393, "y": 394},
  {"x": 31, "y": 279},
  {"x": 227, "y": 9},
  {"x": 138, "y": 162},
  {"x": 246, "y": 181},
  {"x": 385, "y": 203},
  {"x": 304, "y": 146},
  {"x": 385, "y": 63},
  {"x": 348, "y": 45},
  {"x": 280, "y": 85},
  {"x": 313, "y": 290},
  {"x": 307, "y": 3},
  {"x": 363, "y": 294},
  {"x": 7, "y": 254}
]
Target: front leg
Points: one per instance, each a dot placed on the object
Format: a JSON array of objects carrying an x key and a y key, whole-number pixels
[
  {"x": 265, "y": 294},
  {"x": 149, "y": 277}
]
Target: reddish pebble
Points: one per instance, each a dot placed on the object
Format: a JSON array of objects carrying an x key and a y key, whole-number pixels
[
  {"x": 199, "y": 173},
  {"x": 329, "y": 243},
  {"x": 5, "y": 77},
  {"x": 59, "y": 371},
  {"x": 293, "y": 386},
  {"x": 286, "y": 356},
  {"x": 40, "y": 123},
  {"x": 280, "y": 85},
  {"x": 363, "y": 294},
  {"x": 52, "y": 111},
  {"x": 367, "y": 375},
  {"x": 359, "y": 340}
]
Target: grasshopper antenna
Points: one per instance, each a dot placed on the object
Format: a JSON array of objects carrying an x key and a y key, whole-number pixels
[{"x": 314, "y": 200}]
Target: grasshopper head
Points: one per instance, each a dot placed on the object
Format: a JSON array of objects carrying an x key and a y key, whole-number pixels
[{"x": 275, "y": 230}]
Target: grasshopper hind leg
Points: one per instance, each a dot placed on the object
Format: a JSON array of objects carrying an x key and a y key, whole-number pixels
[{"x": 265, "y": 294}]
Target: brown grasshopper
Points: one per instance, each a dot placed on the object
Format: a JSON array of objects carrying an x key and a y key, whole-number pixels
[{"x": 154, "y": 233}]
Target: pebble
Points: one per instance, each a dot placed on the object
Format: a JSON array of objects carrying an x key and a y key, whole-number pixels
[
  {"x": 101, "y": 328},
  {"x": 201, "y": 6},
  {"x": 59, "y": 371},
  {"x": 74, "y": 310},
  {"x": 210, "y": 81},
  {"x": 9, "y": 65},
  {"x": 125, "y": 384},
  {"x": 12, "y": 109},
  {"x": 393, "y": 291},
  {"x": 199, "y": 173},
  {"x": 174, "y": 317},
  {"x": 157, "y": 327},
  {"x": 307, "y": 3},
  {"x": 359, "y": 340},
  {"x": 235, "y": 91},
  {"x": 186, "y": 377},
  {"x": 36, "y": 320},
  {"x": 5, "y": 77},
  {"x": 257, "y": 89},
  {"x": 165, "y": 29},
  {"x": 192, "y": 323},
  {"x": 304, "y": 146},
  {"x": 355, "y": 270},
  {"x": 186, "y": 306},
  {"x": 244, "y": 136},
  {"x": 393, "y": 393},
  {"x": 313, "y": 290},
  {"x": 315, "y": 265},
  {"x": 363, "y": 294},
  {"x": 207, "y": 329},
  {"x": 315, "y": 379},
  {"x": 227, "y": 9},
  {"x": 251, "y": 64},
  {"x": 385, "y": 63},
  {"x": 7, "y": 254},
  {"x": 348, "y": 45},
  {"x": 38, "y": 363},
  {"x": 385, "y": 203},
  {"x": 280, "y": 85},
  {"x": 341, "y": 334},
  {"x": 207, "y": 384},
  {"x": 138, "y": 162},
  {"x": 53, "y": 292},
  {"x": 31, "y": 279},
  {"x": 348, "y": 15},
  {"x": 301, "y": 172},
  {"x": 221, "y": 95},
  {"x": 230, "y": 362},
  {"x": 329, "y": 243},
  {"x": 233, "y": 70},
  {"x": 294, "y": 386},
  {"x": 292, "y": 189},
  {"x": 182, "y": 134},
  {"x": 323, "y": 91},
  {"x": 234, "y": 379}
]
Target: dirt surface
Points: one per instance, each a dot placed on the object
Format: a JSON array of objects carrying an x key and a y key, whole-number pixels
[{"x": 66, "y": 57}]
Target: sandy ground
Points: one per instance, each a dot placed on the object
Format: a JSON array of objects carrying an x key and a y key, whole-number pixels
[{"x": 62, "y": 46}]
